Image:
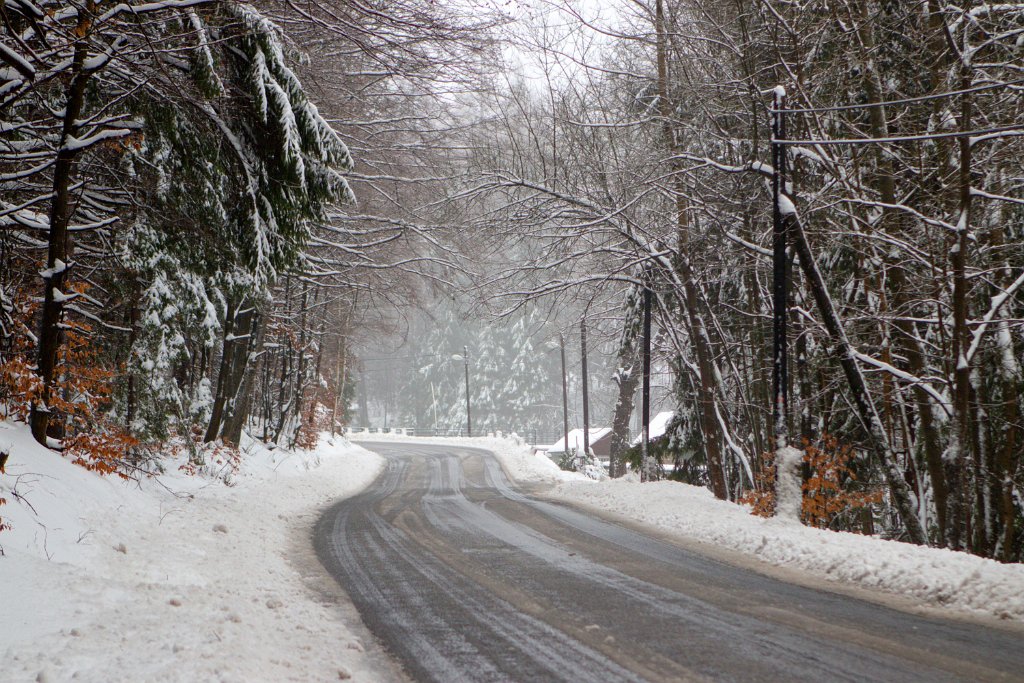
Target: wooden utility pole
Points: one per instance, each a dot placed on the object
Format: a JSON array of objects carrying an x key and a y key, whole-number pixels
[
  {"x": 586, "y": 397},
  {"x": 645, "y": 435},
  {"x": 780, "y": 274},
  {"x": 565, "y": 396},
  {"x": 469, "y": 419}
]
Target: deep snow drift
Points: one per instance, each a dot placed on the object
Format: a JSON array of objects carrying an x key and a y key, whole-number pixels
[{"x": 176, "y": 578}]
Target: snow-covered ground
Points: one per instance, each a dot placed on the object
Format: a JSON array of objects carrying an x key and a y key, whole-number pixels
[
  {"x": 176, "y": 578},
  {"x": 191, "y": 577},
  {"x": 931, "y": 577}
]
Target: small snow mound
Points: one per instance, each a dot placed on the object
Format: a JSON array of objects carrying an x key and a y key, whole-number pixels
[{"x": 789, "y": 490}]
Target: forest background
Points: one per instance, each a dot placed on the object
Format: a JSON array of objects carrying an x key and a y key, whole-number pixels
[{"x": 209, "y": 210}]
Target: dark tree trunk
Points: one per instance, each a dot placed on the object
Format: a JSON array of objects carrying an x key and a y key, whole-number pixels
[
  {"x": 240, "y": 387},
  {"x": 59, "y": 247},
  {"x": 220, "y": 393},
  {"x": 959, "y": 515},
  {"x": 866, "y": 411},
  {"x": 698, "y": 334}
]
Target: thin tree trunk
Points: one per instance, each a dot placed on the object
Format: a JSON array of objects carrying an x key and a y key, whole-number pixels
[
  {"x": 220, "y": 393},
  {"x": 627, "y": 377},
  {"x": 906, "y": 339},
  {"x": 960, "y": 512}
]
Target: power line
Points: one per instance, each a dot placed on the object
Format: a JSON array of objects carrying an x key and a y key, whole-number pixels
[
  {"x": 908, "y": 100},
  {"x": 905, "y": 138}
]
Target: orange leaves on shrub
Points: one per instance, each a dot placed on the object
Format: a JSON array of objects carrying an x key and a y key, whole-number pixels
[
  {"x": 19, "y": 383},
  {"x": 84, "y": 385},
  {"x": 19, "y": 387},
  {"x": 826, "y": 492},
  {"x": 316, "y": 419},
  {"x": 825, "y": 495},
  {"x": 80, "y": 394},
  {"x": 104, "y": 452},
  {"x": 761, "y": 498}
]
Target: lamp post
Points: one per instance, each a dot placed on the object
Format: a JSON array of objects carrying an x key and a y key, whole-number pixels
[{"x": 465, "y": 357}]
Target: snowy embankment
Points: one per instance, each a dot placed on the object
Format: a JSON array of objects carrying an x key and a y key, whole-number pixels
[
  {"x": 173, "y": 578},
  {"x": 931, "y": 577}
]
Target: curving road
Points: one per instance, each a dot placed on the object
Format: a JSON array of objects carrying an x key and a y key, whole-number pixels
[{"x": 463, "y": 578}]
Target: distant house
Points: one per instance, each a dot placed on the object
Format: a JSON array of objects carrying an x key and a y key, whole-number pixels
[
  {"x": 659, "y": 423},
  {"x": 600, "y": 442}
]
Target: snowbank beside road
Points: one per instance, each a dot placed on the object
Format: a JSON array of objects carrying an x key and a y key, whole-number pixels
[
  {"x": 176, "y": 578},
  {"x": 933, "y": 576}
]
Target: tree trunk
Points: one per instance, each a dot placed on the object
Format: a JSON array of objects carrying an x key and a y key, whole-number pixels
[
  {"x": 698, "y": 334},
  {"x": 877, "y": 439},
  {"x": 627, "y": 377},
  {"x": 960, "y": 513},
  {"x": 59, "y": 247},
  {"x": 240, "y": 389},
  {"x": 220, "y": 393}
]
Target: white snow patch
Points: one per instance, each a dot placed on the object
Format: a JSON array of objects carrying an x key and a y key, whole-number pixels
[
  {"x": 58, "y": 267},
  {"x": 789, "y": 490},
  {"x": 576, "y": 439},
  {"x": 936, "y": 577},
  {"x": 786, "y": 206},
  {"x": 110, "y": 580},
  {"x": 657, "y": 427}
]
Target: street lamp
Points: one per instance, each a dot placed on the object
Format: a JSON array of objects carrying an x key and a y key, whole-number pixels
[{"x": 465, "y": 357}]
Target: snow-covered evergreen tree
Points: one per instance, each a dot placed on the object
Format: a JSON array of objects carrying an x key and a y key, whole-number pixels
[
  {"x": 514, "y": 382},
  {"x": 232, "y": 182}
]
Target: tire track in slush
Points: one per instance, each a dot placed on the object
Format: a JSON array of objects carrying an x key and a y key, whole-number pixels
[
  {"x": 463, "y": 578},
  {"x": 433, "y": 611},
  {"x": 660, "y": 605}
]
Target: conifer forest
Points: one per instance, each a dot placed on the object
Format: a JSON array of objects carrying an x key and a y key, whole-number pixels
[{"x": 213, "y": 213}]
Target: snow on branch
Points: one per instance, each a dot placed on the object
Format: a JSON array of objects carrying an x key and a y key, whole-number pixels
[{"x": 997, "y": 303}]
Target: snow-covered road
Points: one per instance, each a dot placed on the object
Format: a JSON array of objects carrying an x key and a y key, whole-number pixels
[{"x": 464, "y": 578}]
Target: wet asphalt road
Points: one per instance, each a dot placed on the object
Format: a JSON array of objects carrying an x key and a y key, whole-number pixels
[{"x": 463, "y": 578}]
